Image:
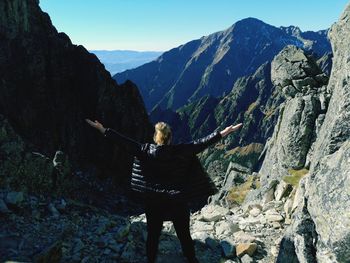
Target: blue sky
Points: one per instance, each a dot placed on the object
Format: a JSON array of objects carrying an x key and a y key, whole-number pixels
[{"x": 163, "y": 24}]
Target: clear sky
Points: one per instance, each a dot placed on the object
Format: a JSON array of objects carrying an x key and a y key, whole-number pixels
[{"x": 163, "y": 24}]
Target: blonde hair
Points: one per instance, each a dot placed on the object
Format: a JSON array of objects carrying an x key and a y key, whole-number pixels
[{"x": 162, "y": 134}]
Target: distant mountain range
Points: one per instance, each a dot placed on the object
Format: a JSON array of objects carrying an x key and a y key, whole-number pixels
[
  {"x": 117, "y": 61},
  {"x": 211, "y": 65}
]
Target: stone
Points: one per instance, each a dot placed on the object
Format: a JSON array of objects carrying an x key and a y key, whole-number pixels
[
  {"x": 235, "y": 174},
  {"x": 199, "y": 226},
  {"x": 61, "y": 206},
  {"x": 274, "y": 250},
  {"x": 115, "y": 247},
  {"x": 246, "y": 248},
  {"x": 214, "y": 212},
  {"x": 288, "y": 206},
  {"x": 212, "y": 243},
  {"x": 246, "y": 259},
  {"x": 78, "y": 246},
  {"x": 242, "y": 237},
  {"x": 3, "y": 207},
  {"x": 226, "y": 228},
  {"x": 274, "y": 218},
  {"x": 53, "y": 210},
  {"x": 255, "y": 212},
  {"x": 292, "y": 64},
  {"x": 14, "y": 198},
  {"x": 228, "y": 248},
  {"x": 283, "y": 189},
  {"x": 276, "y": 225},
  {"x": 300, "y": 83},
  {"x": 121, "y": 231},
  {"x": 202, "y": 236},
  {"x": 51, "y": 254}
]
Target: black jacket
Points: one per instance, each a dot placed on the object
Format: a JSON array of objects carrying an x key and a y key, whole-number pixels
[{"x": 167, "y": 171}]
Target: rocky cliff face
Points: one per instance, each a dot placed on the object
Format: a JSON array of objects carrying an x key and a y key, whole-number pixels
[
  {"x": 328, "y": 192},
  {"x": 310, "y": 151},
  {"x": 211, "y": 65},
  {"x": 252, "y": 100},
  {"x": 303, "y": 84},
  {"x": 48, "y": 86}
]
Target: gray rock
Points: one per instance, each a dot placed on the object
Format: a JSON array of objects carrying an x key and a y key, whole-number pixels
[
  {"x": 78, "y": 246},
  {"x": 329, "y": 202},
  {"x": 255, "y": 212},
  {"x": 228, "y": 248},
  {"x": 292, "y": 64},
  {"x": 283, "y": 189},
  {"x": 3, "y": 207},
  {"x": 246, "y": 259},
  {"x": 273, "y": 216},
  {"x": 214, "y": 212},
  {"x": 242, "y": 237},
  {"x": 288, "y": 207},
  {"x": 51, "y": 254},
  {"x": 14, "y": 198},
  {"x": 291, "y": 139},
  {"x": 53, "y": 210},
  {"x": 328, "y": 191},
  {"x": 235, "y": 174},
  {"x": 202, "y": 236},
  {"x": 120, "y": 232},
  {"x": 299, "y": 242},
  {"x": 198, "y": 226},
  {"x": 226, "y": 228},
  {"x": 61, "y": 206}
]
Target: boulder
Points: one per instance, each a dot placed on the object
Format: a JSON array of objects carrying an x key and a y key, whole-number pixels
[
  {"x": 52, "y": 254},
  {"x": 292, "y": 64},
  {"x": 246, "y": 248},
  {"x": 214, "y": 212},
  {"x": 14, "y": 198},
  {"x": 3, "y": 207},
  {"x": 283, "y": 189},
  {"x": 242, "y": 237},
  {"x": 226, "y": 228},
  {"x": 228, "y": 248}
]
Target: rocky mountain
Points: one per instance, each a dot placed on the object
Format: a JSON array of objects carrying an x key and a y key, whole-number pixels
[
  {"x": 48, "y": 87},
  {"x": 306, "y": 162},
  {"x": 294, "y": 208},
  {"x": 212, "y": 64},
  {"x": 252, "y": 101},
  {"x": 117, "y": 61}
]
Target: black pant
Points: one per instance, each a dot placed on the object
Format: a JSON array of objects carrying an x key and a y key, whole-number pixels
[{"x": 179, "y": 214}]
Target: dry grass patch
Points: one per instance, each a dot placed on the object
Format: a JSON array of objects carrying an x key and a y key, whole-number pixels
[
  {"x": 238, "y": 193},
  {"x": 246, "y": 150},
  {"x": 251, "y": 107},
  {"x": 295, "y": 176}
]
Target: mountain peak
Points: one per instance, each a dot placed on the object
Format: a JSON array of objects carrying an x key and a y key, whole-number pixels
[
  {"x": 250, "y": 20},
  {"x": 292, "y": 30}
]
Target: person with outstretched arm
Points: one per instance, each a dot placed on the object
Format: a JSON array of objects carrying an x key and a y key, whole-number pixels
[{"x": 159, "y": 175}]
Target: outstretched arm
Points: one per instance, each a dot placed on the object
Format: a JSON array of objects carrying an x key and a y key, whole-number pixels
[
  {"x": 230, "y": 129},
  {"x": 200, "y": 145},
  {"x": 134, "y": 146}
]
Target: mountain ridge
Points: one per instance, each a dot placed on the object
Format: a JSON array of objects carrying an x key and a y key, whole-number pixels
[{"x": 211, "y": 64}]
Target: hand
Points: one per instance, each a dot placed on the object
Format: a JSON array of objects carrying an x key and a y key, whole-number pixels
[
  {"x": 96, "y": 125},
  {"x": 230, "y": 129}
]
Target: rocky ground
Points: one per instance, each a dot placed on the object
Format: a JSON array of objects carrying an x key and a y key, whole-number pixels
[{"x": 35, "y": 229}]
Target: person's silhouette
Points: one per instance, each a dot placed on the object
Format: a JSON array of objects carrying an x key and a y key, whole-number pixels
[{"x": 159, "y": 176}]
